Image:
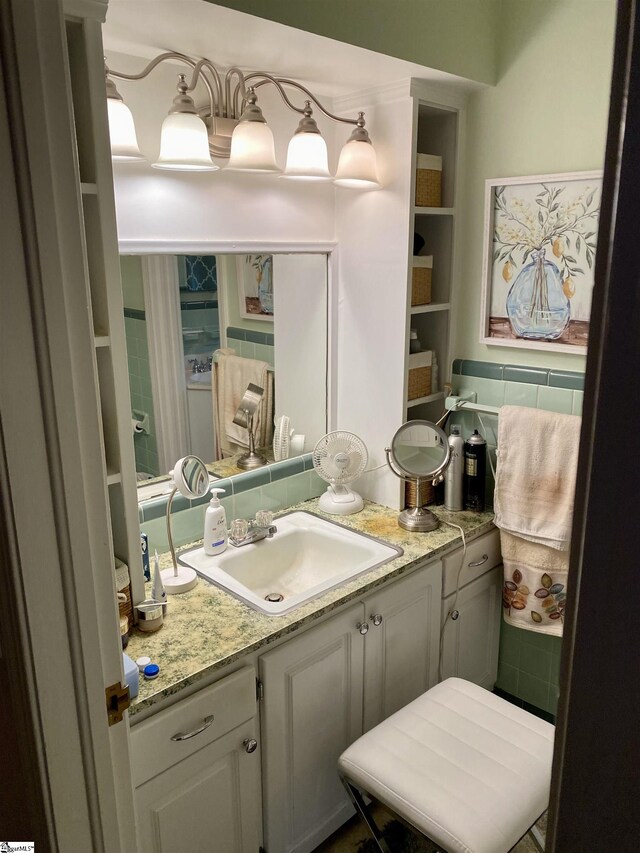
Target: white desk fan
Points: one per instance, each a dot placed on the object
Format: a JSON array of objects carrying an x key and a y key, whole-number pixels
[
  {"x": 340, "y": 458},
  {"x": 285, "y": 441}
]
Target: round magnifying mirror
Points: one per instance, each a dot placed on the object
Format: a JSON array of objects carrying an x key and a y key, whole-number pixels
[
  {"x": 419, "y": 453},
  {"x": 191, "y": 477}
]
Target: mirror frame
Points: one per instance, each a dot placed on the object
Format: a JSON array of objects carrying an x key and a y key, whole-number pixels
[
  {"x": 127, "y": 247},
  {"x": 411, "y": 475}
]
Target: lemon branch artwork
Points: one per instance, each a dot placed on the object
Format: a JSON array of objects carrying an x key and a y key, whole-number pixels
[{"x": 543, "y": 246}]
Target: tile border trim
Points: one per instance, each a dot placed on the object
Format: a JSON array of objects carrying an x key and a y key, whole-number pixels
[
  {"x": 250, "y": 336},
  {"x": 239, "y": 483},
  {"x": 569, "y": 379}
]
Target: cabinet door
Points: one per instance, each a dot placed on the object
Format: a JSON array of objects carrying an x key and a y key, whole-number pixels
[
  {"x": 470, "y": 642},
  {"x": 208, "y": 803},
  {"x": 401, "y": 653},
  {"x": 311, "y": 711}
]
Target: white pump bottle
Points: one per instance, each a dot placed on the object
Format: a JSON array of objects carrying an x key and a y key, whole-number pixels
[{"x": 215, "y": 525}]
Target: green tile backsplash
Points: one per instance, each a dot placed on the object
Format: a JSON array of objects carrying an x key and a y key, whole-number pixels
[
  {"x": 529, "y": 663},
  {"x": 274, "y": 487}
]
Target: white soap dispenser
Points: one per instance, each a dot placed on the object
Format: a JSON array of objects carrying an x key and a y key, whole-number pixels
[{"x": 215, "y": 525}]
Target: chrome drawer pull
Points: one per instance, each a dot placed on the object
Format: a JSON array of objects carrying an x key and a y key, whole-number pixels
[
  {"x": 477, "y": 563},
  {"x": 186, "y": 735}
]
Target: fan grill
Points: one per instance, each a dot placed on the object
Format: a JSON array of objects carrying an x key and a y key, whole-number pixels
[{"x": 340, "y": 457}]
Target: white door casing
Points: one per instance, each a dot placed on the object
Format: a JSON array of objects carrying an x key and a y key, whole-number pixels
[{"x": 55, "y": 484}]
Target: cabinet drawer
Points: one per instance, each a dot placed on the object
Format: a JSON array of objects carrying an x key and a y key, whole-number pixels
[
  {"x": 231, "y": 701},
  {"x": 482, "y": 554}
]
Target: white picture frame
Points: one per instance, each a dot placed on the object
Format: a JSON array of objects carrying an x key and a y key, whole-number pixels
[
  {"x": 569, "y": 257},
  {"x": 255, "y": 287}
]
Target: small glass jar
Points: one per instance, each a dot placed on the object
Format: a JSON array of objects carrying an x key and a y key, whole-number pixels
[{"x": 414, "y": 342}]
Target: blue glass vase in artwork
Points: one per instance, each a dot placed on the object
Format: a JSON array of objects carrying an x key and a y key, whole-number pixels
[
  {"x": 536, "y": 304},
  {"x": 265, "y": 288}
]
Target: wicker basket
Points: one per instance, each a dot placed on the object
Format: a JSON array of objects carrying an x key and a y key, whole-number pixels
[
  {"x": 123, "y": 585},
  {"x": 419, "y": 375},
  {"x": 414, "y": 497},
  {"x": 421, "y": 281},
  {"x": 429, "y": 181}
]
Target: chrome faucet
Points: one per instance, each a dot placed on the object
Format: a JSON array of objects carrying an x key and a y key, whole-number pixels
[{"x": 247, "y": 532}]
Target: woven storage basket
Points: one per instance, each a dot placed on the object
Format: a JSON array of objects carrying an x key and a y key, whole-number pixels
[
  {"x": 429, "y": 181},
  {"x": 123, "y": 584},
  {"x": 425, "y": 495},
  {"x": 419, "y": 375},
  {"x": 421, "y": 281}
]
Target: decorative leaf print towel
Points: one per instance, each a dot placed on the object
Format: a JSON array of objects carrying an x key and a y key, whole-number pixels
[{"x": 535, "y": 585}]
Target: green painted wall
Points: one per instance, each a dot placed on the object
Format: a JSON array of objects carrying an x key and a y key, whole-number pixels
[
  {"x": 456, "y": 36},
  {"x": 547, "y": 114}
]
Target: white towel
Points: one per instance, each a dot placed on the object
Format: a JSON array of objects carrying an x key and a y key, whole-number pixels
[
  {"x": 231, "y": 378},
  {"x": 536, "y": 474}
]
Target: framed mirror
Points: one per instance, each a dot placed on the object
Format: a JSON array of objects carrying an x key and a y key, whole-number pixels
[
  {"x": 419, "y": 452},
  {"x": 264, "y": 316}
]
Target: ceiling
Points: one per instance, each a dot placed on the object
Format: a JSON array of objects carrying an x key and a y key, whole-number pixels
[{"x": 196, "y": 27}]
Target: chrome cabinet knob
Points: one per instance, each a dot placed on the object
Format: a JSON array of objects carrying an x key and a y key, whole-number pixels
[
  {"x": 376, "y": 618},
  {"x": 250, "y": 744},
  {"x": 363, "y": 627}
]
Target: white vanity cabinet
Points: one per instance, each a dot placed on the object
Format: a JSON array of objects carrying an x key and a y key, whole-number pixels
[
  {"x": 197, "y": 772},
  {"x": 471, "y": 640},
  {"x": 322, "y": 687}
]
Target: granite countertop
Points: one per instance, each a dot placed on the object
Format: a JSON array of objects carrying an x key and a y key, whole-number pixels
[{"x": 206, "y": 629}]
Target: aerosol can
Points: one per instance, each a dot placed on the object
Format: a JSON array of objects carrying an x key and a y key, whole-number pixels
[
  {"x": 475, "y": 470},
  {"x": 453, "y": 498}
]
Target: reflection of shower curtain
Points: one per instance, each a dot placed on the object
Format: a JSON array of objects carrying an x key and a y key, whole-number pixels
[{"x": 164, "y": 336}]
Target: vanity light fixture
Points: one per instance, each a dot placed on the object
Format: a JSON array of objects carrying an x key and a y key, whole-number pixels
[
  {"x": 122, "y": 130},
  {"x": 184, "y": 140},
  {"x": 252, "y": 145},
  {"x": 232, "y": 126},
  {"x": 307, "y": 152}
]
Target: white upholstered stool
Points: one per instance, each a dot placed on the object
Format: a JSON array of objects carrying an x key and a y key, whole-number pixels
[{"x": 460, "y": 765}]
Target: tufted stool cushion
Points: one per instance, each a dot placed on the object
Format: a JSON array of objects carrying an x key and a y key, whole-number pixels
[{"x": 464, "y": 767}]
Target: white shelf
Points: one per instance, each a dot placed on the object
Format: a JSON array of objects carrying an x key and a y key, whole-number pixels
[
  {"x": 113, "y": 477},
  {"x": 88, "y": 189},
  {"x": 101, "y": 340},
  {"x": 430, "y": 398},
  {"x": 433, "y": 211},
  {"x": 427, "y": 309}
]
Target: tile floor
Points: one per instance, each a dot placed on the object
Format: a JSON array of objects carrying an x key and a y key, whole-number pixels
[{"x": 354, "y": 837}]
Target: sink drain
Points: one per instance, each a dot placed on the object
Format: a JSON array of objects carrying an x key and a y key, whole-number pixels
[{"x": 274, "y": 597}]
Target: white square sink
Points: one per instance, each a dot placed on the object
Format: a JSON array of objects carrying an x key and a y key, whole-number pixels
[{"x": 305, "y": 558}]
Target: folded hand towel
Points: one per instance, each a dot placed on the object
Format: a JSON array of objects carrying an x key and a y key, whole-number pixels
[
  {"x": 233, "y": 375},
  {"x": 536, "y": 474},
  {"x": 535, "y": 585}
]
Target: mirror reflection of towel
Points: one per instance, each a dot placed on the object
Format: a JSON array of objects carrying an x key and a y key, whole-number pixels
[{"x": 232, "y": 375}]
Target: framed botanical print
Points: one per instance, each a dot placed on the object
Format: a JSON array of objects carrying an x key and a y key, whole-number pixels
[
  {"x": 539, "y": 253},
  {"x": 255, "y": 286}
]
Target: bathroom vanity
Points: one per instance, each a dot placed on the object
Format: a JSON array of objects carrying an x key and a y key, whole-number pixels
[{"x": 235, "y": 744}]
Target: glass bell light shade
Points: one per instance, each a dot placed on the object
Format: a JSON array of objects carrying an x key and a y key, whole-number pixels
[
  {"x": 307, "y": 158},
  {"x": 357, "y": 167},
  {"x": 122, "y": 132},
  {"x": 184, "y": 144},
  {"x": 252, "y": 148}
]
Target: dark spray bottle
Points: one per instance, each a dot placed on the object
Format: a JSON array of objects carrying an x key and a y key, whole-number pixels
[{"x": 475, "y": 471}]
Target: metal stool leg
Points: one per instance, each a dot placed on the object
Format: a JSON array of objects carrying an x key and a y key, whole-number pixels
[
  {"x": 537, "y": 838},
  {"x": 356, "y": 798}
]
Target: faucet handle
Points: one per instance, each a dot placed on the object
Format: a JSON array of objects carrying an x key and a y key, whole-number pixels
[
  {"x": 239, "y": 529},
  {"x": 264, "y": 518}
]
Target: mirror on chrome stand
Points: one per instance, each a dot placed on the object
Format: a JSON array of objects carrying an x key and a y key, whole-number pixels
[{"x": 419, "y": 454}]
